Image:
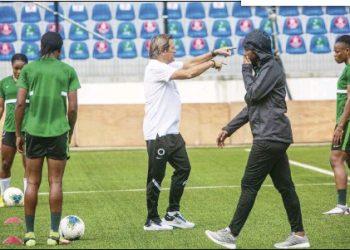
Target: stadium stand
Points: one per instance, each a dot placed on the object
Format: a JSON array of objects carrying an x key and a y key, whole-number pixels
[
  {"x": 292, "y": 26},
  {"x": 31, "y": 50},
  {"x": 197, "y": 28},
  {"x": 319, "y": 44},
  {"x": 8, "y": 14},
  {"x": 218, "y": 10},
  {"x": 7, "y": 33},
  {"x": 340, "y": 25},
  {"x": 101, "y": 12},
  {"x": 244, "y": 26},
  {"x": 199, "y": 46},
  {"x": 102, "y": 50},
  {"x": 312, "y": 11},
  {"x": 240, "y": 11},
  {"x": 295, "y": 45},
  {"x": 288, "y": 11},
  {"x": 221, "y": 28},
  {"x": 195, "y": 10},
  {"x": 104, "y": 29},
  {"x": 180, "y": 48},
  {"x": 127, "y": 49},
  {"x": 6, "y": 51},
  {"x": 50, "y": 17},
  {"x": 77, "y": 34},
  {"x": 149, "y": 29},
  {"x": 125, "y": 12},
  {"x": 30, "y": 32},
  {"x": 174, "y": 11},
  {"x": 30, "y": 14},
  {"x": 79, "y": 51},
  {"x": 316, "y": 26},
  {"x": 175, "y": 29},
  {"x": 78, "y": 12},
  {"x": 126, "y": 30},
  {"x": 148, "y": 11}
]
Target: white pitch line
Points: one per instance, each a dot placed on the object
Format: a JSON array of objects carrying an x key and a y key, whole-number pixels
[{"x": 187, "y": 188}]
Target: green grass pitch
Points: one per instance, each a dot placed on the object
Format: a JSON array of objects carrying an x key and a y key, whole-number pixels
[{"x": 115, "y": 209}]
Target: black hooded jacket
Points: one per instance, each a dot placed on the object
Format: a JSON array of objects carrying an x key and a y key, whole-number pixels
[{"x": 265, "y": 97}]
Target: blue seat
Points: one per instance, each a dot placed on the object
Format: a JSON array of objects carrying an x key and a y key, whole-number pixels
[
  {"x": 266, "y": 25},
  {"x": 261, "y": 12},
  {"x": 295, "y": 45},
  {"x": 312, "y": 11},
  {"x": 102, "y": 50},
  {"x": 148, "y": 11},
  {"x": 31, "y": 50},
  {"x": 180, "y": 48},
  {"x": 149, "y": 29},
  {"x": 222, "y": 42},
  {"x": 78, "y": 34},
  {"x": 336, "y": 10},
  {"x": 52, "y": 27},
  {"x": 174, "y": 11},
  {"x": 340, "y": 25},
  {"x": 78, "y": 51},
  {"x": 6, "y": 51},
  {"x": 319, "y": 44},
  {"x": 101, "y": 12},
  {"x": 279, "y": 44},
  {"x": 145, "y": 48},
  {"x": 240, "y": 49},
  {"x": 218, "y": 10},
  {"x": 7, "y": 33},
  {"x": 62, "y": 54},
  {"x": 292, "y": 26},
  {"x": 288, "y": 11},
  {"x": 221, "y": 28},
  {"x": 243, "y": 27},
  {"x": 50, "y": 17},
  {"x": 175, "y": 29},
  {"x": 197, "y": 28},
  {"x": 8, "y": 14},
  {"x": 78, "y": 12},
  {"x": 199, "y": 46},
  {"x": 195, "y": 10},
  {"x": 126, "y": 30},
  {"x": 30, "y": 14},
  {"x": 127, "y": 49},
  {"x": 104, "y": 29},
  {"x": 30, "y": 33},
  {"x": 125, "y": 12},
  {"x": 316, "y": 26},
  {"x": 241, "y": 11}
]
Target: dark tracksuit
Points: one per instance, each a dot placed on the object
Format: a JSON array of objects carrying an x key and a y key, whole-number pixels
[{"x": 272, "y": 134}]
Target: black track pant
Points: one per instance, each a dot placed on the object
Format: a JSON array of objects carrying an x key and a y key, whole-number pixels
[
  {"x": 169, "y": 148},
  {"x": 267, "y": 158}
]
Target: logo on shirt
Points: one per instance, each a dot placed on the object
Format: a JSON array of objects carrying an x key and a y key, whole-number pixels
[{"x": 160, "y": 153}]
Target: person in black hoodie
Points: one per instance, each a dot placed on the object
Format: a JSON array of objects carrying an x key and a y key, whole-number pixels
[{"x": 272, "y": 135}]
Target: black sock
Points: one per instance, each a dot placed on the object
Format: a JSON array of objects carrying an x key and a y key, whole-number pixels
[
  {"x": 30, "y": 223},
  {"x": 342, "y": 196},
  {"x": 55, "y": 221}
]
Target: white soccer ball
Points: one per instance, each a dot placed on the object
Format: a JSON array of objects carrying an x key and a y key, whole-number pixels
[
  {"x": 72, "y": 227},
  {"x": 13, "y": 197}
]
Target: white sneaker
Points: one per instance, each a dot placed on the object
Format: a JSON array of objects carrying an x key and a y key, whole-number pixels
[
  {"x": 156, "y": 225},
  {"x": 294, "y": 242},
  {"x": 222, "y": 237},
  {"x": 176, "y": 219},
  {"x": 338, "y": 210}
]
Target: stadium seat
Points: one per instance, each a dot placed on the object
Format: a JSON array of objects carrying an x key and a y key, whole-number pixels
[
  {"x": 241, "y": 11},
  {"x": 319, "y": 44},
  {"x": 336, "y": 10},
  {"x": 145, "y": 48},
  {"x": 50, "y": 17},
  {"x": 174, "y": 11},
  {"x": 149, "y": 29},
  {"x": 104, "y": 29},
  {"x": 30, "y": 14},
  {"x": 102, "y": 50},
  {"x": 221, "y": 28},
  {"x": 240, "y": 49},
  {"x": 7, "y": 33},
  {"x": 197, "y": 28},
  {"x": 52, "y": 27},
  {"x": 243, "y": 27},
  {"x": 62, "y": 54},
  {"x": 295, "y": 45},
  {"x": 6, "y": 51},
  {"x": 180, "y": 48},
  {"x": 175, "y": 29},
  {"x": 292, "y": 26},
  {"x": 288, "y": 11},
  {"x": 261, "y": 12},
  {"x": 195, "y": 10},
  {"x": 101, "y": 12},
  {"x": 148, "y": 11},
  {"x": 199, "y": 46},
  {"x": 218, "y": 10},
  {"x": 222, "y": 42},
  {"x": 266, "y": 25},
  {"x": 126, "y": 30},
  {"x": 127, "y": 49},
  {"x": 78, "y": 34},
  {"x": 340, "y": 25},
  {"x": 279, "y": 44},
  {"x": 78, "y": 12},
  {"x": 31, "y": 50},
  {"x": 78, "y": 51},
  {"x": 30, "y": 33},
  {"x": 312, "y": 11},
  {"x": 316, "y": 26},
  {"x": 8, "y": 14},
  {"x": 125, "y": 12}
]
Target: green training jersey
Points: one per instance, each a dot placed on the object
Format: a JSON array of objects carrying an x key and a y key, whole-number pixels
[
  {"x": 48, "y": 81},
  {"x": 8, "y": 91},
  {"x": 343, "y": 82}
]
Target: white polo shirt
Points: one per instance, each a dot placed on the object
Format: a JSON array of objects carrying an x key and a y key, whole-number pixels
[{"x": 163, "y": 104}]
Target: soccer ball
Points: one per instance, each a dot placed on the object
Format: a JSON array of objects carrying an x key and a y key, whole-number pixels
[
  {"x": 13, "y": 197},
  {"x": 72, "y": 227}
]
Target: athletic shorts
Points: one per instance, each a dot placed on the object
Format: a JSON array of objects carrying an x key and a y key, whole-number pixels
[
  {"x": 55, "y": 148},
  {"x": 345, "y": 142},
  {"x": 9, "y": 138}
]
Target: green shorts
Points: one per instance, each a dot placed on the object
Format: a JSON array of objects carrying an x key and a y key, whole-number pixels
[
  {"x": 345, "y": 142},
  {"x": 55, "y": 148}
]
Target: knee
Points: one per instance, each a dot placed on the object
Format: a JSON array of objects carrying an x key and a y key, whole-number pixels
[
  {"x": 55, "y": 181},
  {"x": 335, "y": 161},
  {"x": 6, "y": 166},
  {"x": 248, "y": 187}
]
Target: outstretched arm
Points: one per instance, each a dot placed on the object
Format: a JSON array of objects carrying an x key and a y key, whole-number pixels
[{"x": 225, "y": 51}]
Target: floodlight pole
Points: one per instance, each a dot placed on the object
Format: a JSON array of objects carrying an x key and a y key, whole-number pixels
[
  {"x": 56, "y": 16},
  {"x": 165, "y": 17}
]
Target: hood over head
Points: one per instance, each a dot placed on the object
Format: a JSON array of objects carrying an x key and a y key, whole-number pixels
[{"x": 259, "y": 42}]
